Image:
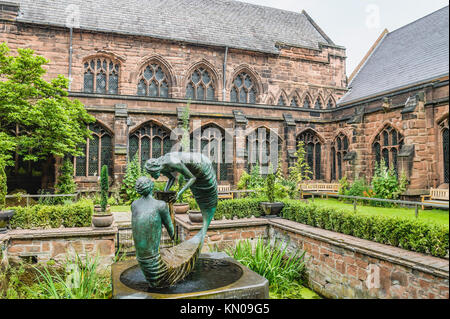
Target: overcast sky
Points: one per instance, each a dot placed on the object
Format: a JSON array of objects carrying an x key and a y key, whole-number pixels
[{"x": 356, "y": 24}]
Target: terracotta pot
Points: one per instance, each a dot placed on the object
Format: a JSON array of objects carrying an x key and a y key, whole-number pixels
[
  {"x": 272, "y": 208},
  {"x": 102, "y": 220},
  {"x": 5, "y": 217},
  {"x": 180, "y": 208},
  {"x": 195, "y": 217}
]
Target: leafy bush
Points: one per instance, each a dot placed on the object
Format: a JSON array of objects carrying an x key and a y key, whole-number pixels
[
  {"x": 385, "y": 182},
  {"x": 358, "y": 188},
  {"x": 132, "y": 174},
  {"x": 271, "y": 261},
  {"x": 405, "y": 233},
  {"x": 270, "y": 187},
  {"x": 241, "y": 208},
  {"x": 44, "y": 216}
]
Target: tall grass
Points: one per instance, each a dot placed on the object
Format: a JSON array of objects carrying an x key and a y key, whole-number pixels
[{"x": 285, "y": 273}]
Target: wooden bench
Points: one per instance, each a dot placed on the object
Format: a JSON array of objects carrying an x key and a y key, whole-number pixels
[
  {"x": 325, "y": 188},
  {"x": 437, "y": 196},
  {"x": 225, "y": 192}
]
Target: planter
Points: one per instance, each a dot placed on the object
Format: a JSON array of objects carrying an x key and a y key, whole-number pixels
[
  {"x": 5, "y": 217},
  {"x": 168, "y": 197},
  {"x": 102, "y": 220},
  {"x": 195, "y": 217},
  {"x": 272, "y": 208},
  {"x": 98, "y": 209},
  {"x": 180, "y": 208}
]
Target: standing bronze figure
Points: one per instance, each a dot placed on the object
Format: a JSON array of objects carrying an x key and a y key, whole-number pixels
[{"x": 166, "y": 267}]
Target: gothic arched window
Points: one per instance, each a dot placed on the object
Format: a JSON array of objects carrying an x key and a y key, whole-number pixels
[
  {"x": 387, "y": 145},
  {"x": 153, "y": 81},
  {"x": 339, "y": 149},
  {"x": 313, "y": 148},
  {"x": 210, "y": 141},
  {"x": 263, "y": 147},
  {"x": 330, "y": 104},
  {"x": 318, "y": 104},
  {"x": 101, "y": 75},
  {"x": 243, "y": 89},
  {"x": 98, "y": 151},
  {"x": 201, "y": 86},
  {"x": 149, "y": 141},
  {"x": 446, "y": 155}
]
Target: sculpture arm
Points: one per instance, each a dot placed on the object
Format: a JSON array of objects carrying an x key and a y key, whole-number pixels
[
  {"x": 167, "y": 221},
  {"x": 188, "y": 175},
  {"x": 170, "y": 182}
]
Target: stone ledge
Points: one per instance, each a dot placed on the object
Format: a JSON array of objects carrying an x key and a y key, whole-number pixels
[
  {"x": 61, "y": 232},
  {"x": 183, "y": 220},
  {"x": 424, "y": 263}
]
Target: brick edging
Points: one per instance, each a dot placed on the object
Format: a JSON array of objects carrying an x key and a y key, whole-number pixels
[
  {"x": 425, "y": 263},
  {"x": 62, "y": 232}
]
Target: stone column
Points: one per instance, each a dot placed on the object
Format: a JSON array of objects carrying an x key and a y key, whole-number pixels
[
  {"x": 240, "y": 126},
  {"x": 290, "y": 142}
]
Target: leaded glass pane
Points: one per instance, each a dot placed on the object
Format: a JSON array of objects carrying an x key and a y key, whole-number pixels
[
  {"x": 148, "y": 73},
  {"x": 200, "y": 93},
  {"x": 345, "y": 143},
  {"x": 318, "y": 160},
  {"x": 92, "y": 64},
  {"x": 386, "y": 157},
  {"x": 242, "y": 96},
  {"x": 156, "y": 147},
  {"x": 153, "y": 89},
  {"x": 238, "y": 81},
  {"x": 281, "y": 101},
  {"x": 233, "y": 95},
  {"x": 142, "y": 88},
  {"x": 330, "y": 104},
  {"x": 206, "y": 77},
  {"x": 306, "y": 103},
  {"x": 113, "y": 84},
  {"x": 210, "y": 93},
  {"x": 394, "y": 138},
  {"x": 339, "y": 163},
  {"x": 333, "y": 164},
  {"x": 167, "y": 146},
  {"x": 134, "y": 146},
  {"x": 145, "y": 150},
  {"x": 164, "y": 89},
  {"x": 159, "y": 74},
  {"x": 81, "y": 162},
  {"x": 385, "y": 138},
  {"x": 377, "y": 151},
  {"x": 101, "y": 82},
  {"x": 318, "y": 104},
  {"x": 106, "y": 152},
  {"x": 248, "y": 82},
  {"x": 252, "y": 96},
  {"x": 310, "y": 156},
  {"x": 195, "y": 77},
  {"x": 190, "y": 91},
  {"x": 339, "y": 144},
  {"x": 394, "y": 159},
  {"x": 93, "y": 156},
  {"x": 89, "y": 82},
  {"x": 104, "y": 64}
]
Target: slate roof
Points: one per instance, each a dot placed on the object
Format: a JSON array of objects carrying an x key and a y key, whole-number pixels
[
  {"x": 412, "y": 54},
  {"x": 212, "y": 22}
]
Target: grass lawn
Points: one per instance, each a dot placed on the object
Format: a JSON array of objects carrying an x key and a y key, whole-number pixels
[
  {"x": 436, "y": 216},
  {"x": 120, "y": 209}
]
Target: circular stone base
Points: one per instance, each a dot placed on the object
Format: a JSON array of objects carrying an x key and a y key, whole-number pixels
[{"x": 208, "y": 274}]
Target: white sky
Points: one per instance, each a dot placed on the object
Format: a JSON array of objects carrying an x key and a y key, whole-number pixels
[{"x": 356, "y": 24}]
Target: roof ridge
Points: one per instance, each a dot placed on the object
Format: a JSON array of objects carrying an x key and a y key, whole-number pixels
[{"x": 319, "y": 29}]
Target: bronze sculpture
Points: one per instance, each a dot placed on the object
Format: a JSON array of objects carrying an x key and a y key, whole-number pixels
[{"x": 166, "y": 267}]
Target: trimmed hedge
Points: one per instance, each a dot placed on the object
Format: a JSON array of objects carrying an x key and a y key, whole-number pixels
[
  {"x": 409, "y": 234},
  {"x": 78, "y": 214},
  {"x": 405, "y": 233},
  {"x": 240, "y": 208}
]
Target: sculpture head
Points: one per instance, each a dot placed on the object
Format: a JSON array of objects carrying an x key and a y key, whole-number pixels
[
  {"x": 153, "y": 166},
  {"x": 144, "y": 186}
]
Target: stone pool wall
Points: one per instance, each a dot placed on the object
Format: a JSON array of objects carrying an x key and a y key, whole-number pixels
[
  {"x": 40, "y": 246},
  {"x": 338, "y": 266}
]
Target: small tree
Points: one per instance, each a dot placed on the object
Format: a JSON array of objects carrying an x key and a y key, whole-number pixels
[
  {"x": 104, "y": 187},
  {"x": 66, "y": 184},
  {"x": 300, "y": 171},
  {"x": 132, "y": 173}
]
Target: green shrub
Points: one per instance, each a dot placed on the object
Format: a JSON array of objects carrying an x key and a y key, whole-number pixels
[
  {"x": 66, "y": 184},
  {"x": 133, "y": 172},
  {"x": 358, "y": 188},
  {"x": 45, "y": 216},
  {"x": 241, "y": 208},
  {"x": 405, "y": 233},
  {"x": 270, "y": 187},
  {"x": 104, "y": 187},
  {"x": 386, "y": 184},
  {"x": 3, "y": 188}
]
